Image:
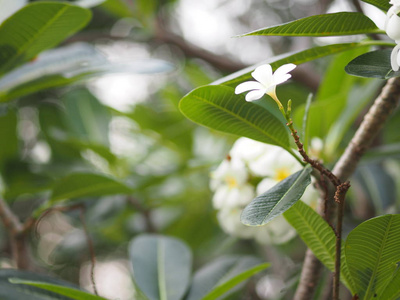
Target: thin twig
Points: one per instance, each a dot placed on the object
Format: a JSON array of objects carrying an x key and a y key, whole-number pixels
[
  {"x": 369, "y": 128},
  {"x": 339, "y": 198},
  {"x": 91, "y": 249},
  {"x": 92, "y": 254}
]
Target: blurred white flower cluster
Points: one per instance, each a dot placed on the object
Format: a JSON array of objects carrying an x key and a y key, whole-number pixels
[
  {"x": 392, "y": 28},
  {"x": 251, "y": 169}
]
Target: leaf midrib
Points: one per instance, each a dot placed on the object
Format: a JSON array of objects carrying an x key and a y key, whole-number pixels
[
  {"x": 244, "y": 120},
  {"x": 33, "y": 37}
]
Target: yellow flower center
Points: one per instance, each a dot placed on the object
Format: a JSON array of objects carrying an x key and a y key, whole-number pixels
[
  {"x": 231, "y": 182},
  {"x": 281, "y": 173}
]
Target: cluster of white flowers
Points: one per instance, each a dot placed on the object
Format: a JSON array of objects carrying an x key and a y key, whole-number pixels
[
  {"x": 251, "y": 169},
  {"x": 392, "y": 28}
]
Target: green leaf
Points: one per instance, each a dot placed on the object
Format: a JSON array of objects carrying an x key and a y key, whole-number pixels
[
  {"x": 342, "y": 23},
  {"x": 161, "y": 266},
  {"x": 217, "y": 273},
  {"x": 392, "y": 290},
  {"x": 8, "y": 135},
  {"x": 221, "y": 289},
  {"x": 357, "y": 99},
  {"x": 219, "y": 108},
  {"x": 37, "y": 27},
  {"x": 375, "y": 64},
  {"x": 58, "y": 289},
  {"x": 277, "y": 200},
  {"x": 381, "y": 4},
  {"x": 372, "y": 252},
  {"x": 297, "y": 58},
  {"x": 319, "y": 237},
  {"x": 79, "y": 185},
  {"x": 10, "y": 291}
]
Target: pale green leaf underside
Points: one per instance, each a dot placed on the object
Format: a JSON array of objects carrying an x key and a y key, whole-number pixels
[
  {"x": 296, "y": 58},
  {"x": 58, "y": 289},
  {"x": 80, "y": 185},
  {"x": 37, "y": 27},
  {"x": 277, "y": 200},
  {"x": 161, "y": 266},
  {"x": 373, "y": 252},
  {"x": 218, "y": 107},
  {"x": 319, "y": 237},
  {"x": 342, "y": 23},
  {"x": 218, "y": 272},
  {"x": 374, "y": 64},
  {"x": 231, "y": 283}
]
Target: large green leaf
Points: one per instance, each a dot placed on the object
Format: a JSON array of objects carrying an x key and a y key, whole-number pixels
[
  {"x": 72, "y": 293},
  {"x": 79, "y": 185},
  {"x": 10, "y": 291},
  {"x": 219, "y": 108},
  {"x": 382, "y": 4},
  {"x": 213, "y": 276},
  {"x": 375, "y": 64},
  {"x": 37, "y": 27},
  {"x": 295, "y": 58},
  {"x": 373, "y": 255},
  {"x": 342, "y": 23},
  {"x": 161, "y": 266},
  {"x": 277, "y": 200},
  {"x": 319, "y": 237}
]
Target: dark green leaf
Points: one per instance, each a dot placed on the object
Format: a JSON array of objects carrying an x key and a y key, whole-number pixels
[
  {"x": 219, "y": 108},
  {"x": 79, "y": 185},
  {"x": 277, "y": 200},
  {"x": 342, "y": 23},
  {"x": 58, "y": 289},
  {"x": 217, "y": 273},
  {"x": 375, "y": 64},
  {"x": 373, "y": 253},
  {"x": 319, "y": 237},
  {"x": 37, "y": 27},
  {"x": 9, "y": 291},
  {"x": 296, "y": 58},
  {"x": 382, "y": 4},
  {"x": 161, "y": 266}
]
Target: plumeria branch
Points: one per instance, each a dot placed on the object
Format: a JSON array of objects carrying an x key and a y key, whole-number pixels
[
  {"x": 17, "y": 235},
  {"x": 372, "y": 123}
]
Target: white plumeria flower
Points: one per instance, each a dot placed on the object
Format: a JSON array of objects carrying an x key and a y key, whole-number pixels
[
  {"x": 392, "y": 28},
  {"x": 229, "y": 219},
  {"x": 229, "y": 181},
  {"x": 266, "y": 81},
  {"x": 392, "y": 24},
  {"x": 9, "y": 7},
  {"x": 276, "y": 232},
  {"x": 395, "y": 58}
]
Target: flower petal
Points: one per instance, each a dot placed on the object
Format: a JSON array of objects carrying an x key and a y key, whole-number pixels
[
  {"x": 263, "y": 74},
  {"x": 283, "y": 71},
  {"x": 248, "y": 86},
  {"x": 393, "y": 58},
  {"x": 255, "y": 95}
]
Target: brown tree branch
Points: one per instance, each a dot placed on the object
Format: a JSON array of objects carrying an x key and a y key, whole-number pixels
[
  {"x": 17, "y": 236},
  {"x": 372, "y": 123}
]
